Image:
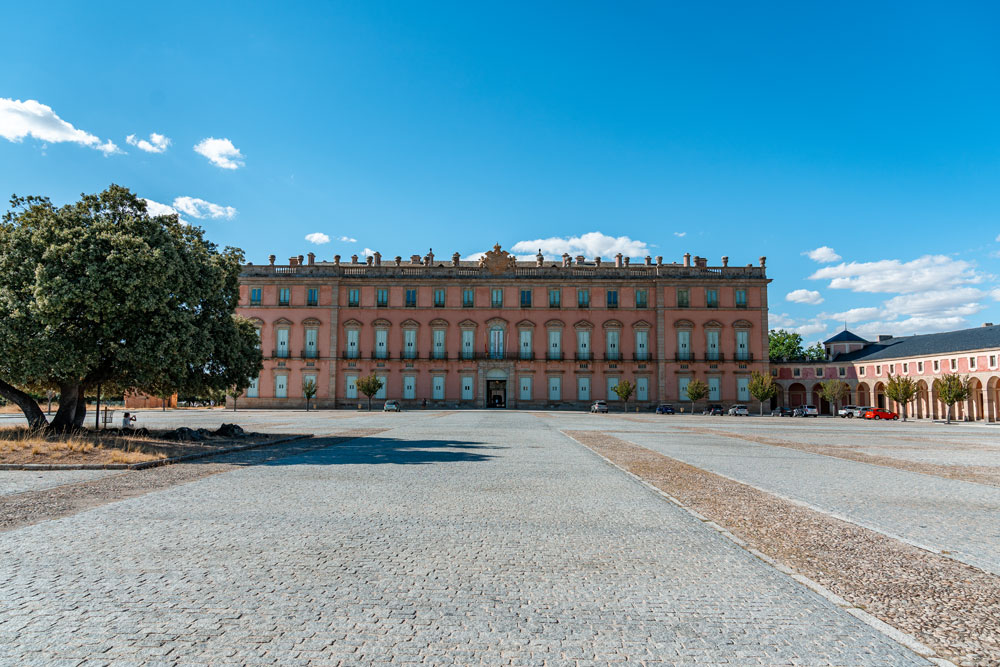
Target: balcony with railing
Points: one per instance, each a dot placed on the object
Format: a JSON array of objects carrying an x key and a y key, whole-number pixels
[
  {"x": 684, "y": 356},
  {"x": 744, "y": 356},
  {"x": 553, "y": 355},
  {"x": 310, "y": 354},
  {"x": 612, "y": 356},
  {"x": 583, "y": 356},
  {"x": 351, "y": 353},
  {"x": 526, "y": 355},
  {"x": 281, "y": 353},
  {"x": 439, "y": 354},
  {"x": 640, "y": 356}
]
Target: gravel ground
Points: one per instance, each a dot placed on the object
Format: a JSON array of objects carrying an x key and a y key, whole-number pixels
[
  {"x": 951, "y": 607},
  {"x": 967, "y": 473},
  {"x": 40, "y": 504}
]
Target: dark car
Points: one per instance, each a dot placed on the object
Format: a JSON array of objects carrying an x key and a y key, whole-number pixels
[
  {"x": 781, "y": 412},
  {"x": 713, "y": 409},
  {"x": 664, "y": 409}
]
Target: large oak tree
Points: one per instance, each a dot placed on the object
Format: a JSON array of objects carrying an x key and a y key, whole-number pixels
[{"x": 101, "y": 292}]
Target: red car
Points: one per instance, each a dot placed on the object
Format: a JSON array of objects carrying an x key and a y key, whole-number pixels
[{"x": 879, "y": 413}]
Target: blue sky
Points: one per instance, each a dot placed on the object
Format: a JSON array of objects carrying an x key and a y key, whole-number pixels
[{"x": 739, "y": 129}]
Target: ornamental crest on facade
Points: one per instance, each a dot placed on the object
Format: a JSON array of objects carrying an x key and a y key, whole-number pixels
[{"x": 497, "y": 261}]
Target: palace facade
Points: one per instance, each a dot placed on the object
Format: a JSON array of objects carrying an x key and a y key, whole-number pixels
[{"x": 502, "y": 332}]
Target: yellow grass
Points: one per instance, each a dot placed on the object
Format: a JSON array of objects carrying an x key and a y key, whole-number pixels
[{"x": 21, "y": 445}]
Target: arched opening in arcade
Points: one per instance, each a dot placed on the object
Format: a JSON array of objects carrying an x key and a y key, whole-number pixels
[
  {"x": 817, "y": 399},
  {"x": 922, "y": 408},
  {"x": 880, "y": 401},
  {"x": 863, "y": 395},
  {"x": 796, "y": 395}
]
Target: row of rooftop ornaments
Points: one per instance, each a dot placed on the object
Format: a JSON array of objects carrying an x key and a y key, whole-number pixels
[{"x": 428, "y": 260}]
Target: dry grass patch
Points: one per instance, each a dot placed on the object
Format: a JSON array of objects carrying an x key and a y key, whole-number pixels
[{"x": 20, "y": 445}]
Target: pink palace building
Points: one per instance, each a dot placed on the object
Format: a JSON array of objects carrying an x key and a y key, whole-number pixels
[{"x": 504, "y": 333}]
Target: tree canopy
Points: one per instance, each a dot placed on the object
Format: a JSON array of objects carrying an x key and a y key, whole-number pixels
[
  {"x": 901, "y": 389},
  {"x": 762, "y": 387},
  {"x": 101, "y": 292},
  {"x": 624, "y": 390},
  {"x": 787, "y": 346},
  {"x": 952, "y": 388}
]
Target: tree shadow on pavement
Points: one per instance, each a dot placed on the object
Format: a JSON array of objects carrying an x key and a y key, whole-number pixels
[{"x": 376, "y": 450}]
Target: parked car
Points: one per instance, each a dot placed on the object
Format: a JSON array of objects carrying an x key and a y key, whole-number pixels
[
  {"x": 848, "y": 411},
  {"x": 781, "y": 412},
  {"x": 391, "y": 406},
  {"x": 664, "y": 409},
  {"x": 599, "y": 406},
  {"x": 805, "y": 411},
  {"x": 713, "y": 409},
  {"x": 739, "y": 411},
  {"x": 861, "y": 410},
  {"x": 879, "y": 413}
]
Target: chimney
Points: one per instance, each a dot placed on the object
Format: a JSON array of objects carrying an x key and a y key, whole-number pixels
[
  {"x": 687, "y": 259},
  {"x": 659, "y": 260},
  {"x": 301, "y": 259},
  {"x": 580, "y": 259},
  {"x": 597, "y": 261},
  {"x": 271, "y": 258},
  {"x": 627, "y": 260},
  {"x": 293, "y": 261},
  {"x": 378, "y": 258},
  {"x": 987, "y": 324},
  {"x": 725, "y": 261},
  {"x": 415, "y": 260},
  {"x": 369, "y": 260},
  {"x": 455, "y": 259},
  {"x": 649, "y": 260},
  {"x": 884, "y": 337},
  {"x": 618, "y": 260},
  {"x": 700, "y": 262},
  {"x": 336, "y": 260},
  {"x": 567, "y": 260},
  {"x": 397, "y": 260},
  {"x": 312, "y": 258},
  {"x": 539, "y": 258},
  {"x": 763, "y": 262}
]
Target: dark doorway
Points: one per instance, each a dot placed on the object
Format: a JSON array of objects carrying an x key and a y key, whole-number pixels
[{"x": 496, "y": 393}]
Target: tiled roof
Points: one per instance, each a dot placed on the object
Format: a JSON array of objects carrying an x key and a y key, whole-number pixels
[
  {"x": 845, "y": 336},
  {"x": 928, "y": 344}
]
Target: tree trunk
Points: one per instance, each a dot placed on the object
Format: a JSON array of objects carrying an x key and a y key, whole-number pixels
[
  {"x": 947, "y": 419},
  {"x": 81, "y": 411},
  {"x": 66, "y": 414},
  {"x": 33, "y": 413}
]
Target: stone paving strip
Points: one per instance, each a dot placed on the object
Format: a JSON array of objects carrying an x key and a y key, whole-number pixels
[
  {"x": 989, "y": 475},
  {"x": 29, "y": 507},
  {"x": 951, "y": 607}
]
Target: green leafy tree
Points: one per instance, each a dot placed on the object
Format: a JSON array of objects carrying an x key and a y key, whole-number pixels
[
  {"x": 762, "y": 387},
  {"x": 624, "y": 389},
  {"x": 309, "y": 390},
  {"x": 833, "y": 392},
  {"x": 369, "y": 386},
  {"x": 99, "y": 292},
  {"x": 784, "y": 345},
  {"x": 696, "y": 390},
  {"x": 902, "y": 390},
  {"x": 952, "y": 388},
  {"x": 815, "y": 352}
]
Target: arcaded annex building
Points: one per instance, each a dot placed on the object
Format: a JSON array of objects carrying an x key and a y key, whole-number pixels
[{"x": 502, "y": 332}]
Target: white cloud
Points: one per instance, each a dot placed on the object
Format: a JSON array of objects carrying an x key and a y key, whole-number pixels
[
  {"x": 155, "y": 208},
  {"x": 157, "y": 143},
  {"x": 890, "y": 275},
  {"x": 997, "y": 238},
  {"x": 995, "y": 294},
  {"x": 856, "y": 314},
  {"x": 318, "y": 238},
  {"x": 779, "y": 321},
  {"x": 680, "y": 234},
  {"x": 823, "y": 255},
  {"x": 31, "y": 118},
  {"x": 591, "y": 244},
  {"x": 199, "y": 208},
  {"x": 347, "y": 239},
  {"x": 366, "y": 252},
  {"x": 220, "y": 152},
  {"x": 809, "y": 329},
  {"x": 811, "y": 297},
  {"x": 960, "y": 301},
  {"x": 909, "y": 326}
]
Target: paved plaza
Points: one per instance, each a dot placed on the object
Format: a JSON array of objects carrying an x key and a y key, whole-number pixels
[{"x": 470, "y": 537}]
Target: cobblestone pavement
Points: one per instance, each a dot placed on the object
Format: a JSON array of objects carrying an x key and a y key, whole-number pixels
[
  {"x": 943, "y": 514},
  {"x": 471, "y": 537},
  {"x": 20, "y": 481}
]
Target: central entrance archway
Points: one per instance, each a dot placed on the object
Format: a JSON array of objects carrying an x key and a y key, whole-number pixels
[{"x": 496, "y": 388}]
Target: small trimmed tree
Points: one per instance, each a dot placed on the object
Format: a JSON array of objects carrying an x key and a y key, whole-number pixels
[
  {"x": 369, "y": 386},
  {"x": 952, "y": 388},
  {"x": 902, "y": 390},
  {"x": 696, "y": 390},
  {"x": 762, "y": 387},
  {"x": 624, "y": 389},
  {"x": 309, "y": 390},
  {"x": 833, "y": 392}
]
